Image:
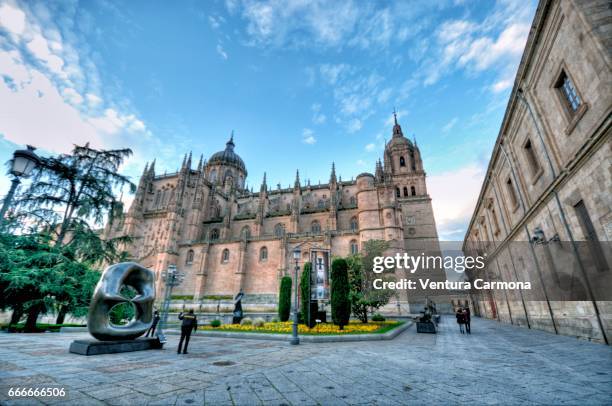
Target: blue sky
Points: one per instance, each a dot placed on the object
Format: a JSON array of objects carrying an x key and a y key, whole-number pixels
[{"x": 301, "y": 83}]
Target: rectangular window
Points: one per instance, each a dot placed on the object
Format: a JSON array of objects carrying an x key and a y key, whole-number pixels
[
  {"x": 511, "y": 193},
  {"x": 568, "y": 92},
  {"x": 495, "y": 222},
  {"x": 591, "y": 236},
  {"x": 532, "y": 158}
]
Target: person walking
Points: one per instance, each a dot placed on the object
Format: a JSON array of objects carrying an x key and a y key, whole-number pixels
[
  {"x": 468, "y": 328},
  {"x": 460, "y": 319},
  {"x": 151, "y": 329},
  {"x": 190, "y": 323}
]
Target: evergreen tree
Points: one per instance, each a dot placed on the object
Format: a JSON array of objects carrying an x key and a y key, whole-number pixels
[
  {"x": 309, "y": 309},
  {"x": 284, "y": 299},
  {"x": 60, "y": 214},
  {"x": 340, "y": 291}
]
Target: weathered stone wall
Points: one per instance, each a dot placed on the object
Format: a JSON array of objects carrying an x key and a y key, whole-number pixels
[{"x": 520, "y": 199}]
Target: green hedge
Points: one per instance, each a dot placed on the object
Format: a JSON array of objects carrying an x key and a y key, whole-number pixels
[
  {"x": 40, "y": 327},
  {"x": 340, "y": 291},
  {"x": 284, "y": 299}
]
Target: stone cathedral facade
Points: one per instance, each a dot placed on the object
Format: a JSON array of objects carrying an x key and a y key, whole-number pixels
[{"x": 227, "y": 239}]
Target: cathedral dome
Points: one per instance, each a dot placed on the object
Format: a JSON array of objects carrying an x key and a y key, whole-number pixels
[{"x": 228, "y": 157}]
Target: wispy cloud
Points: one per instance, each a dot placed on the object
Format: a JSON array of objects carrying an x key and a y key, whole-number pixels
[
  {"x": 449, "y": 126},
  {"x": 308, "y": 136},
  {"x": 317, "y": 116},
  {"x": 51, "y": 92},
  {"x": 349, "y": 23},
  {"x": 221, "y": 51}
]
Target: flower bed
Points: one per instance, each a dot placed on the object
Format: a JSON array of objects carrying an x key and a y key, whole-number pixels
[{"x": 354, "y": 327}]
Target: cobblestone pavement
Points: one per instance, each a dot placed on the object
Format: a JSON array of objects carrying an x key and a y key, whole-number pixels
[{"x": 497, "y": 364}]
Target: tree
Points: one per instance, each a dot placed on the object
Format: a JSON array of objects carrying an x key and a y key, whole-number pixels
[
  {"x": 36, "y": 275},
  {"x": 340, "y": 302},
  {"x": 284, "y": 299},
  {"x": 364, "y": 298},
  {"x": 70, "y": 194},
  {"x": 73, "y": 191},
  {"x": 309, "y": 309}
]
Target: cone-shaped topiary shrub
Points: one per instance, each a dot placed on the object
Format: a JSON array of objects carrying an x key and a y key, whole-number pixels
[
  {"x": 340, "y": 290},
  {"x": 284, "y": 299}
]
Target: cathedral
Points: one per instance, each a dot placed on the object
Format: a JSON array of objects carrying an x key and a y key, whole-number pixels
[{"x": 226, "y": 239}]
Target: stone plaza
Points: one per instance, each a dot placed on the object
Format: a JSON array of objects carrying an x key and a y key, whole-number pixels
[{"x": 496, "y": 364}]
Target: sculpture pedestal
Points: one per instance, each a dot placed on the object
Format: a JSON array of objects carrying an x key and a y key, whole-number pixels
[{"x": 95, "y": 347}]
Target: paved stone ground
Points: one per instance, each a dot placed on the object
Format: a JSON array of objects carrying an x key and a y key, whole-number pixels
[{"x": 497, "y": 364}]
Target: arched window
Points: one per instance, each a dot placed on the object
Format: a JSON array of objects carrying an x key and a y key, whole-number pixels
[
  {"x": 157, "y": 198},
  {"x": 263, "y": 254},
  {"x": 402, "y": 161},
  {"x": 412, "y": 163},
  {"x": 189, "y": 259},
  {"x": 213, "y": 176},
  {"x": 279, "y": 230},
  {"x": 397, "y": 192},
  {"x": 245, "y": 232},
  {"x": 225, "y": 256},
  {"x": 405, "y": 191},
  {"x": 353, "y": 201},
  {"x": 354, "y": 247},
  {"x": 315, "y": 227},
  {"x": 412, "y": 190},
  {"x": 354, "y": 224},
  {"x": 321, "y": 204},
  {"x": 214, "y": 234}
]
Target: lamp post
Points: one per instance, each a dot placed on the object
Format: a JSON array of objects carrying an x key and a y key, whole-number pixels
[
  {"x": 23, "y": 163},
  {"x": 295, "y": 340},
  {"x": 172, "y": 278}
]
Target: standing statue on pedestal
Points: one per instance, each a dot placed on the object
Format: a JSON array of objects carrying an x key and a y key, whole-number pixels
[{"x": 238, "y": 308}]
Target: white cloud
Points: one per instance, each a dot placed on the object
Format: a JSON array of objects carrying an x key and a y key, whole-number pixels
[
  {"x": 72, "y": 96},
  {"x": 46, "y": 81},
  {"x": 93, "y": 99},
  {"x": 449, "y": 126},
  {"x": 12, "y": 19},
  {"x": 221, "y": 51},
  {"x": 317, "y": 116},
  {"x": 495, "y": 43},
  {"x": 308, "y": 136},
  {"x": 330, "y": 73},
  {"x": 454, "y": 194},
  {"x": 354, "y": 125},
  {"x": 370, "y": 147},
  {"x": 360, "y": 162}
]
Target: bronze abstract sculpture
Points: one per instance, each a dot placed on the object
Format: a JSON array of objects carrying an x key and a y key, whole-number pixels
[{"x": 108, "y": 294}]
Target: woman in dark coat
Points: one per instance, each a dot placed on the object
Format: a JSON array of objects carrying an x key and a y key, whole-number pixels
[{"x": 460, "y": 319}]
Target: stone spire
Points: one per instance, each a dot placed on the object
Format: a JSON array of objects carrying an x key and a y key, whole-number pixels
[
  {"x": 152, "y": 169},
  {"x": 332, "y": 177},
  {"x": 397, "y": 130},
  {"x": 379, "y": 175},
  {"x": 201, "y": 163},
  {"x": 264, "y": 185},
  {"x": 230, "y": 144},
  {"x": 296, "y": 184}
]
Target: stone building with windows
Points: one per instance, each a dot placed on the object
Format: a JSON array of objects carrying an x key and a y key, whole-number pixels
[
  {"x": 227, "y": 239},
  {"x": 544, "y": 213}
]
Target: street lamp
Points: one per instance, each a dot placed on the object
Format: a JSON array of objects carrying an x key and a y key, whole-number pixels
[
  {"x": 295, "y": 340},
  {"x": 23, "y": 163},
  {"x": 172, "y": 278}
]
